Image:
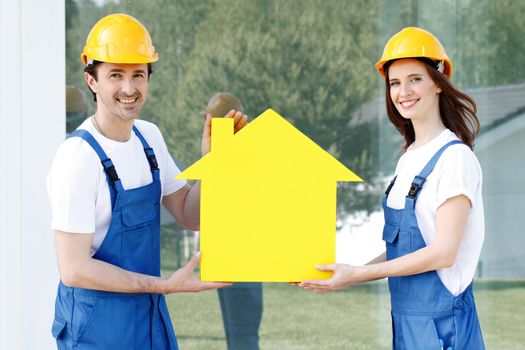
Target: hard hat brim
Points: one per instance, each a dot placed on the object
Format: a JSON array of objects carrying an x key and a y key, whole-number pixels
[
  {"x": 125, "y": 59},
  {"x": 381, "y": 64}
]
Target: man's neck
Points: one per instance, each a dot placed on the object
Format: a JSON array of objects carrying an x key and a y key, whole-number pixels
[{"x": 112, "y": 127}]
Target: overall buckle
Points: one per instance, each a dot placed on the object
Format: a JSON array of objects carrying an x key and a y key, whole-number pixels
[
  {"x": 110, "y": 170},
  {"x": 152, "y": 160},
  {"x": 416, "y": 186}
]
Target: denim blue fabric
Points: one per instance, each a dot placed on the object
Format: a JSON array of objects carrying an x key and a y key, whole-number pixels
[
  {"x": 89, "y": 319},
  {"x": 423, "y": 310}
]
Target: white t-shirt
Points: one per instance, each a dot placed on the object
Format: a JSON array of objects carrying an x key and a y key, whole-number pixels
[
  {"x": 457, "y": 172},
  {"x": 77, "y": 185}
]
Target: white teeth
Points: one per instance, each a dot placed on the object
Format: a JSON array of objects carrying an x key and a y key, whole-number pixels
[
  {"x": 407, "y": 104},
  {"x": 126, "y": 100}
]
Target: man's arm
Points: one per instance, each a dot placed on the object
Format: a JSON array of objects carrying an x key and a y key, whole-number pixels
[
  {"x": 184, "y": 204},
  {"x": 79, "y": 269}
]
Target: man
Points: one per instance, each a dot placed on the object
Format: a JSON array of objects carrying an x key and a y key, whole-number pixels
[
  {"x": 241, "y": 303},
  {"x": 105, "y": 186}
]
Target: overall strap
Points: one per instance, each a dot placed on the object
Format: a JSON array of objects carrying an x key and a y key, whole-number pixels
[
  {"x": 420, "y": 179},
  {"x": 387, "y": 192},
  {"x": 150, "y": 155},
  {"x": 115, "y": 185}
]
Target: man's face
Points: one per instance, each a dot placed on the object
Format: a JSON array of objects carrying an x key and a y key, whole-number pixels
[{"x": 121, "y": 89}]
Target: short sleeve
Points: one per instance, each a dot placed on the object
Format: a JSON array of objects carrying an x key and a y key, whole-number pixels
[
  {"x": 460, "y": 174},
  {"x": 73, "y": 184}
]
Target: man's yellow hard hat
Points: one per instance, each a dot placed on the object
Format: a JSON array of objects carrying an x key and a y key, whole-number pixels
[
  {"x": 119, "y": 38},
  {"x": 412, "y": 42}
]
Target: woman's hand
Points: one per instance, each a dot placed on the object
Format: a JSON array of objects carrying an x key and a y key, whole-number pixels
[{"x": 344, "y": 276}]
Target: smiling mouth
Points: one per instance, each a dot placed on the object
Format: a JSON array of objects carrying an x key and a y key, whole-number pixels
[
  {"x": 127, "y": 100},
  {"x": 408, "y": 104}
]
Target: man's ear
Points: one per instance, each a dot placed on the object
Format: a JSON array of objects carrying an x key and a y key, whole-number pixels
[{"x": 91, "y": 82}]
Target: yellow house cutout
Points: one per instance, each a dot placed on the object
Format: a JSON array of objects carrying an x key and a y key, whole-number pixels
[{"x": 268, "y": 203}]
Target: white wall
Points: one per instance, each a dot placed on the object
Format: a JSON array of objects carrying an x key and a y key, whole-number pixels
[{"x": 32, "y": 124}]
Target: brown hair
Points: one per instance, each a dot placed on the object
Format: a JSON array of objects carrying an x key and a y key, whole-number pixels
[
  {"x": 457, "y": 109},
  {"x": 91, "y": 69}
]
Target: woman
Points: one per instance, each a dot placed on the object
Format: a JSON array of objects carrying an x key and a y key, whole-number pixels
[{"x": 434, "y": 223}]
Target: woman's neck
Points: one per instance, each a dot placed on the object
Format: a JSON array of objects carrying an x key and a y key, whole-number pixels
[{"x": 426, "y": 130}]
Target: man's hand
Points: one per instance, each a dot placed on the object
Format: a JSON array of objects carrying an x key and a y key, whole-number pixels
[
  {"x": 240, "y": 121},
  {"x": 184, "y": 279},
  {"x": 344, "y": 276}
]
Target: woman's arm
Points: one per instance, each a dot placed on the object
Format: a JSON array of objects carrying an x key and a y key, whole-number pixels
[{"x": 451, "y": 219}]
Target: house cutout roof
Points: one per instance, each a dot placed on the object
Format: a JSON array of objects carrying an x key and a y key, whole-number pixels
[
  {"x": 269, "y": 144},
  {"x": 268, "y": 202}
]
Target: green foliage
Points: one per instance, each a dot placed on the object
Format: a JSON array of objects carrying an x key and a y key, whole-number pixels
[
  {"x": 80, "y": 17},
  {"x": 490, "y": 42},
  {"x": 305, "y": 59},
  {"x": 311, "y": 60}
]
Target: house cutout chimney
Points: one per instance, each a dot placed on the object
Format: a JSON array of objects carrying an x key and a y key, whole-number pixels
[{"x": 221, "y": 131}]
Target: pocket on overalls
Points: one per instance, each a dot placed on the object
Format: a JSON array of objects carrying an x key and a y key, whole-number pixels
[
  {"x": 416, "y": 332},
  {"x": 390, "y": 236},
  {"x": 58, "y": 330},
  {"x": 137, "y": 239},
  {"x": 83, "y": 309},
  {"x": 110, "y": 325}
]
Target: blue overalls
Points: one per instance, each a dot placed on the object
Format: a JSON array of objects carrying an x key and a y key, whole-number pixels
[
  {"x": 424, "y": 312},
  {"x": 90, "y": 319}
]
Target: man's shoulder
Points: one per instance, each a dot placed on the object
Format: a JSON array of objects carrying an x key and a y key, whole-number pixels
[
  {"x": 74, "y": 159},
  {"x": 146, "y": 126},
  {"x": 149, "y": 130},
  {"x": 76, "y": 150}
]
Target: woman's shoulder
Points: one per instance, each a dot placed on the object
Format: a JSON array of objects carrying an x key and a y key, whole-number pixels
[{"x": 458, "y": 152}]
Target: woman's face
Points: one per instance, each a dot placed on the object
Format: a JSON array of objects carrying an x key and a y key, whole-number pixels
[{"x": 412, "y": 91}]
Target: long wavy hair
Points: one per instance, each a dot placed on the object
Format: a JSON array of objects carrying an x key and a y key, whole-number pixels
[{"x": 457, "y": 109}]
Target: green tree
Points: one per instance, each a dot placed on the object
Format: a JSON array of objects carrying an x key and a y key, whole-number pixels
[
  {"x": 490, "y": 45},
  {"x": 81, "y": 15},
  {"x": 312, "y": 61}
]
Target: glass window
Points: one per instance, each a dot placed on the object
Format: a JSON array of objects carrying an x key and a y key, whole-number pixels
[{"x": 313, "y": 62}]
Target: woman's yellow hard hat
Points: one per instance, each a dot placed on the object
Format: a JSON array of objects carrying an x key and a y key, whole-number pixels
[
  {"x": 412, "y": 42},
  {"x": 119, "y": 38}
]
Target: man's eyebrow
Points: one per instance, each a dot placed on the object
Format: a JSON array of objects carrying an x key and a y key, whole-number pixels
[{"x": 120, "y": 70}]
